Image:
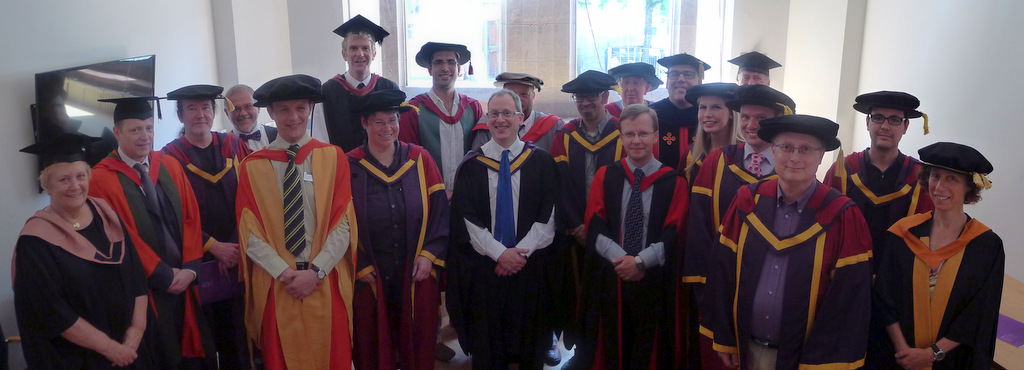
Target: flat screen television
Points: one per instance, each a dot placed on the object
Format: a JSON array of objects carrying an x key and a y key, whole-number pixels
[{"x": 66, "y": 99}]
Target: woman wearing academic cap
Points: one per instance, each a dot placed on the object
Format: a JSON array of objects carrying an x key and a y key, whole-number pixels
[
  {"x": 402, "y": 208},
  {"x": 716, "y": 123},
  {"x": 940, "y": 274},
  {"x": 79, "y": 287}
]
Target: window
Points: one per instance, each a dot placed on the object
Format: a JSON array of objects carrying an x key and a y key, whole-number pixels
[
  {"x": 615, "y": 32},
  {"x": 474, "y": 23}
]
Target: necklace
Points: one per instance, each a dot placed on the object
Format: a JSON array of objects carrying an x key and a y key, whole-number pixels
[{"x": 74, "y": 223}]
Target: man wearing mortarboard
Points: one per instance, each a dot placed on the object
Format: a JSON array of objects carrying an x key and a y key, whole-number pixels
[
  {"x": 339, "y": 125},
  {"x": 678, "y": 117},
  {"x": 211, "y": 159},
  {"x": 754, "y": 68},
  {"x": 443, "y": 120},
  {"x": 151, "y": 193},
  {"x": 294, "y": 214},
  {"x": 789, "y": 280},
  {"x": 634, "y": 81}
]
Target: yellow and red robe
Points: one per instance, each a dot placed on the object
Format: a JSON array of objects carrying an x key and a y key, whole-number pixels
[{"x": 314, "y": 333}]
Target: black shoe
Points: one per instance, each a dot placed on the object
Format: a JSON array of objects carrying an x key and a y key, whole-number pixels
[
  {"x": 554, "y": 356},
  {"x": 443, "y": 353}
]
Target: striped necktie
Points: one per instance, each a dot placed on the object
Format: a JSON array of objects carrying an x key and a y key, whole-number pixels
[
  {"x": 633, "y": 229},
  {"x": 294, "y": 224}
]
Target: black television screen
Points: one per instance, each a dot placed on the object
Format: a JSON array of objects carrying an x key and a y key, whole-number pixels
[{"x": 66, "y": 100}]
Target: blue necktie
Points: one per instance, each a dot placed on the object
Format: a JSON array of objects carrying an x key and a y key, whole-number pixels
[
  {"x": 504, "y": 217},
  {"x": 632, "y": 233}
]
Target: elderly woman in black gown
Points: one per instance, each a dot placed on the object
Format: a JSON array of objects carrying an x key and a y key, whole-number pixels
[
  {"x": 79, "y": 288},
  {"x": 940, "y": 274}
]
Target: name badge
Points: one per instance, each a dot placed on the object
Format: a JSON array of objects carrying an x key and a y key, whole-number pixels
[{"x": 307, "y": 177}]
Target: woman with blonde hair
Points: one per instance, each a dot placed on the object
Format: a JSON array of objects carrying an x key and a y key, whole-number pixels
[{"x": 716, "y": 123}]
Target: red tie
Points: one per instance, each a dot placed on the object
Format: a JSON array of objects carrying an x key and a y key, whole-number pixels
[{"x": 755, "y": 164}]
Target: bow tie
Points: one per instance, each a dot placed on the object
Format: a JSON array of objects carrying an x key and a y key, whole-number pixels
[{"x": 254, "y": 136}]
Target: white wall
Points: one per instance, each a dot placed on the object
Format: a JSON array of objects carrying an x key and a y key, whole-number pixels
[
  {"x": 962, "y": 59},
  {"x": 45, "y": 35}
]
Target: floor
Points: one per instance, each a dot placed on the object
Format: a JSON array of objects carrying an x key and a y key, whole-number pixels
[{"x": 461, "y": 361}]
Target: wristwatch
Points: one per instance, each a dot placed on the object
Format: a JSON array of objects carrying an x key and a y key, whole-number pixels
[
  {"x": 639, "y": 263},
  {"x": 320, "y": 274},
  {"x": 937, "y": 353}
]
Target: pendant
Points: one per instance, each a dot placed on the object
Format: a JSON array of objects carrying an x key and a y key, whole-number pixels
[{"x": 76, "y": 225}]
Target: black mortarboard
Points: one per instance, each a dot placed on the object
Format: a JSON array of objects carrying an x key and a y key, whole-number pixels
[
  {"x": 423, "y": 57},
  {"x": 889, "y": 99},
  {"x": 136, "y": 107},
  {"x": 520, "y": 78},
  {"x": 200, "y": 92},
  {"x": 66, "y": 147},
  {"x": 822, "y": 128},
  {"x": 639, "y": 69},
  {"x": 383, "y": 100},
  {"x": 686, "y": 59},
  {"x": 754, "y": 62},
  {"x": 589, "y": 82},
  {"x": 292, "y": 87},
  {"x": 761, "y": 95},
  {"x": 361, "y": 24},
  {"x": 959, "y": 158},
  {"x": 726, "y": 90}
]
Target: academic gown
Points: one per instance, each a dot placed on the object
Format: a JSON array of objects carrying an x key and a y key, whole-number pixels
[
  {"x": 315, "y": 332},
  {"x": 638, "y": 325},
  {"x": 967, "y": 294},
  {"x": 424, "y": 210},
  {"x": 421, "y": 126},
  {"x": 541, "y": 133},
  {"x": 827, "y": 286},
  {"x": 677, "y": 128},
  {"x": 344, "y": 127},
  {"x": 54, "y": 287},
  {"x": 504, "y": 318},
  {"x": 569, "y": 150},
  {"x": 179, "y": 329},
  {"x": 211, "y": 172}
]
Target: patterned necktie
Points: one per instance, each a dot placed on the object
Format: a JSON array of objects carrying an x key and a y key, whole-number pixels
[
  {"x": 632, "y": 233},
  {"x": 504, "y": 216},
  {"x": 294, "y": 224},
  {"x": 361, "y": 86},
  {"x": 254, "y": 136},
  {"x": 755, "y": 164}
]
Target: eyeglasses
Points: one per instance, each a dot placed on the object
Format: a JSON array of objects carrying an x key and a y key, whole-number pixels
[
  {"x": 639, "y": 134},
  {"x": 439, "y": 62},
  {"x": 393, "y": 122},
  {"x": 579, "y": 98},
  {"x": 687, "y": 74},
  {"x": 506, "y": 114},
  {"x": 788, "y": 149},
  {"x": 893, "y": 120}
]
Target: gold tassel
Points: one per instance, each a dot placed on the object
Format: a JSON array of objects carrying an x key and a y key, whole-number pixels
[
  {"x": 841, "y": 169},
  {"x": 982, "y": 181},
  {"x": 406, "y": 104},
  {"x": 786, "y": 110},
  {"x": 617, "y": 90},
  {"x": 227, "y": 103},
  {"x": 925, "y": 115}
]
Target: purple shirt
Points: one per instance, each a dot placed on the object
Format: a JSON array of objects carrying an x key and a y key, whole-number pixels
[{"x": 767, "y": 307}]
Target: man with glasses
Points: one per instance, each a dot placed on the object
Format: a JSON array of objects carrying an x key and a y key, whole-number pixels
[
  {"x": 754, "y": 68},
  {"x": 881, "y": 180},
  {"x": 722, "y": 173},
  {"x": 790, "y": 281},
  {"x": 538, "y": 127},
  {"x": 581, "y": 147},
  {"x": 634, "y": 215},
  {"x": 677, "y": 116},
  {"x": 244, "y": 118},
  {"x": 443, "y": 119},
  {"x": 635, "y": 81},
  {"x": 338, "y": 123},
  {"x": 501, "y": 253}
]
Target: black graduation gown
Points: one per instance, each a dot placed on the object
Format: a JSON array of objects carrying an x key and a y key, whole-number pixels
[
  {"x": 677, "y": 128},
  {"x": 972, "y": 310},
  {"x": 343, "y": 126},
  {"x": 54, "y": 288},
  {"x": 503, "y": 319}
]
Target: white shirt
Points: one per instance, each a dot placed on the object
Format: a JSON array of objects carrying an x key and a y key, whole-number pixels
[
  {"x": 355, "y": 83},
  {"x": 653, "y": 254},
  {"x": 453, "y": 147},
  {"x": 540, "y": 235},
  {"x": 254, "y": 144},
  {"x": 767, "y": 165}
]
